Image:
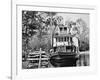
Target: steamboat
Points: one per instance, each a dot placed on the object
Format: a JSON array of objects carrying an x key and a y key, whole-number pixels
[{"x": 65, "y": 48}]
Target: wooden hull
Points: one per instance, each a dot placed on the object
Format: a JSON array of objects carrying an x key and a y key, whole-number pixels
[{"x": 63, "y": 60}]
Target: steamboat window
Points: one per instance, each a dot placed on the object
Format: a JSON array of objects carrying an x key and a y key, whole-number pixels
[
  {"x": 65, "y": 28},
  {"x": 61, "y": 29},
  {"x": 64, "y": 38},
  {"x": 61, "y": 39},
  {"x": 58, "y": 40}
]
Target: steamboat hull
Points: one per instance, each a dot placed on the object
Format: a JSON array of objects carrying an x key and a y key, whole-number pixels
[{"x": 63, "y": 60}]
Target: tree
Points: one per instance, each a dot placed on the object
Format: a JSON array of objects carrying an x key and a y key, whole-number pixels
[
  {"x": 28, "y": 26},
  {"x": 84, "y": 34},
  {"x": 35, "y": 23},
  {"x": 80, "y": 30}
]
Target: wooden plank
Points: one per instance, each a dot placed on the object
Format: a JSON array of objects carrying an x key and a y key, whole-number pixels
[
  {"x": 37, "y": 58},
  {"x": 33, "y": 56},
  {"x": 38, "y": 52},
  {"x": 39, "y": 61}
]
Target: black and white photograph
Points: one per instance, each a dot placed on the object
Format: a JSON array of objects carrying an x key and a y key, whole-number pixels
[{"x": 55, "y": 39}]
